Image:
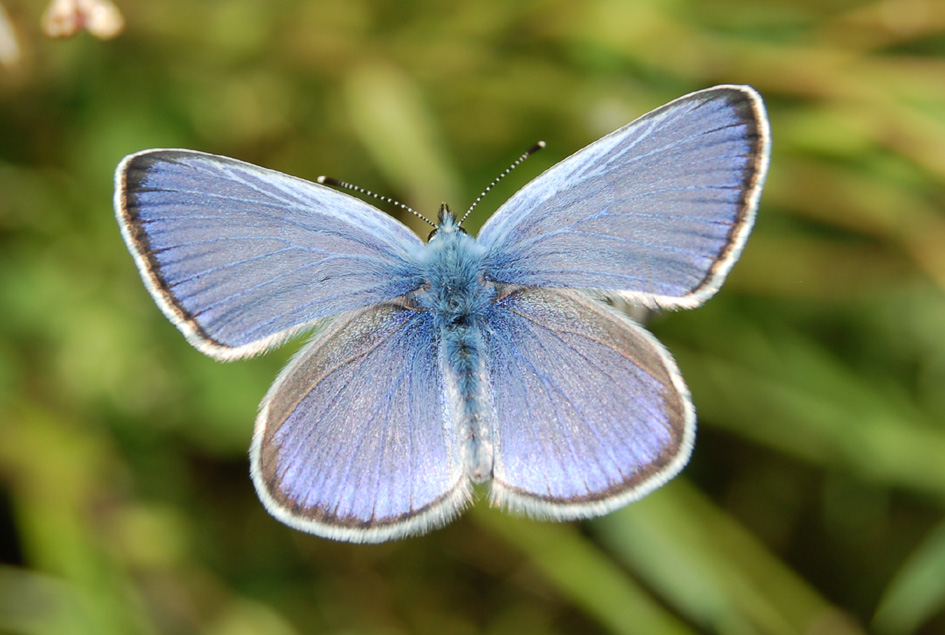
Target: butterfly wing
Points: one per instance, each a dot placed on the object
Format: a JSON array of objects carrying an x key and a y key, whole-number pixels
[
  {"x": 355, "y": 440},
  {"x": 240, "y": 257},
  {"x": 589, "y": 411},
  {"x": 658, "y": 210}
]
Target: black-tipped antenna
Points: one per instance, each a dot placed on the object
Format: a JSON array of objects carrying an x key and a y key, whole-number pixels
[
  {"x": 532, "y": 150},
  {"x": 327, "y": 180}
]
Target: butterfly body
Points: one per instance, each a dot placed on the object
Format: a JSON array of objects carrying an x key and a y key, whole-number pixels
[
  {"x": 462, "y": 360},
  {"x": 459, "y": 296}
]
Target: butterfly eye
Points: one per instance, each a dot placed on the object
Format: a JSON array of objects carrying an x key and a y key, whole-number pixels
[{"x": 449, "y": 231}]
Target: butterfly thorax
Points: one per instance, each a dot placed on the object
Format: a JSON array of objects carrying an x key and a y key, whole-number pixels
[{"x": 455, "y": 289}]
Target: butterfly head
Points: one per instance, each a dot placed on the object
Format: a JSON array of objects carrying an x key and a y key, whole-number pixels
[{"x": 446, "y": 223}]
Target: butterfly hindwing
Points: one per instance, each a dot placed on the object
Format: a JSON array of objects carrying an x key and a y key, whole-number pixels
[
  {"x": 589, "y": 410},
  {"x": 357, "y": 439},
  {"x": 240, "y": 257},
  {"x": 657, "y": 210}
]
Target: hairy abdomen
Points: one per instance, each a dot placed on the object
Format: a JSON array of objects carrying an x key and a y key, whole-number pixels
[{"x": 461, "y": 344}]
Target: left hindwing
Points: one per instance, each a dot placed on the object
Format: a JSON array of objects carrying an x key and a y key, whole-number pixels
[
  {"x": 658, "y": 210},
  {"x": 588, "y": 409},
  {"x": 356, "y": 440}
]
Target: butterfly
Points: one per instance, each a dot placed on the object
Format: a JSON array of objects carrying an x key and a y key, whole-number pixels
[{"x": 436, "y": 366}]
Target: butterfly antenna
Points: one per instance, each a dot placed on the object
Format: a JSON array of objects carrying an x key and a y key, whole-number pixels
[
  {"x": 327, "y": 180},
  {"x": 532, "y": 150}
]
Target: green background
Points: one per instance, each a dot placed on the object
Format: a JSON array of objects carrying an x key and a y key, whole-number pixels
[{"x": 814, "y": 499}]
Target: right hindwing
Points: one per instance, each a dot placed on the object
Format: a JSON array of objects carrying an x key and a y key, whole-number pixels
[{"x": 588, "y": 409}]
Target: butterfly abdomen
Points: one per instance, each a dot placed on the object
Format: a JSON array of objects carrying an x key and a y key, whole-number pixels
[{"x": 463, "y": 350}]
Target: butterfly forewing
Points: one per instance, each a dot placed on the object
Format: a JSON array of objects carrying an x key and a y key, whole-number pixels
[
  {"x": 589, "y": 409},
  {"x": 658, "y": 210},
  {"x": 239, "y": 256},
  {"x": 357, "y": 439}
]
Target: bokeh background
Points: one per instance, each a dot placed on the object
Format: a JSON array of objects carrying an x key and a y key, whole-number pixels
[{"x": 814, "y": 499}]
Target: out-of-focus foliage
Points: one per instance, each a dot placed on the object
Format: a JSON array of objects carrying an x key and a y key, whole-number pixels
[{"x": 814, "y": 501}]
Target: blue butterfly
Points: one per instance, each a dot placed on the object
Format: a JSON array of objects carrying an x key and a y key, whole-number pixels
[{"x": 439, "y": 365}]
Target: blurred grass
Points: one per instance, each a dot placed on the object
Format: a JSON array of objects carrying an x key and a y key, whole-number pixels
[{"x": 814, "y": 500}]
